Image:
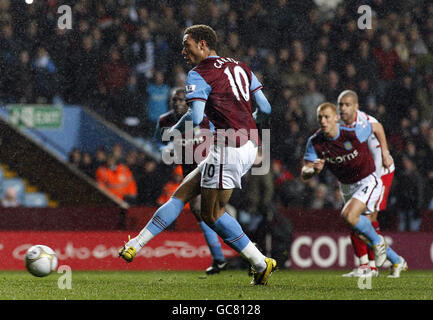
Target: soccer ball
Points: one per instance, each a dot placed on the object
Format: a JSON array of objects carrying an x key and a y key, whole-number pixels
[{"x": 40, "y": 260}]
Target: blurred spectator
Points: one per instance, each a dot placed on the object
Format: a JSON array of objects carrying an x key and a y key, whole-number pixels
[
  {"x": 45, "y": 75},
  {"x": 271, "y": 76},
  {"x": 366, "y": 63},
  {"x": 402, "y": 48},
  {"x": 424, "y": 97},
  {"x": 399, "y": 97},
  {"x": 291, "y": 145},
  {"x": 171, "y": 186},
  {"x": 10, "y": 198},
  {"x": 409, "y": 192},
  {"x": 295, "y": 112},
  {"x": 288, "y": 188},
  {"x": 319, "y": 73},
  {"x": 131, "y": 160},
  {"x": 337, "y": 199},
  {"x": 295, "y": 78},
  {"x": 367, "y": 98},
  {"x": 233, "y": 49},
  {"x": 350, "y": 77},
  {"x": 279, "y": 106},
  {"x": 87, "y": 62},
  {"x": 23, "y": 80},
  {"x": 320, "y": 198},
  {"x": 259, "y": 199},
  {"x": 75, "y": 157},
  {"x": 387, "y": 61},
  {"x": 333, "y": 87},
  {"x": 112, "y": 78},
  {"x": 118, "y": 153},
  {"x": 428, "y": 164},
  {"x": 417, "y": 45},
  {"x": 86, "y": 164},
  {"x": 117, "y": 179},
  {"x": 309, "y": 102},
  {"x": 144, "y": 53},
  {"x": 149, "y": 183},
  {"x": 158, "y": 94},
  {"x": 100, "y": 158}
]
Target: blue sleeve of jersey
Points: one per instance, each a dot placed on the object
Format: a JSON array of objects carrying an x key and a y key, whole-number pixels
[
  {"x": 195, "y": 114},
  {"x": 196, "y": 87},
  {"x": 198, "y": 111},
  {"x": 310, "y": 152},
  {"x": 255, "y": 83},
  {"x": 262, "y": 102},
  {"x": 363, "y": 131}
]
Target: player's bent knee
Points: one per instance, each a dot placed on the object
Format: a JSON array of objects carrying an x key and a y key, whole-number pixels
[
  {"x": 348, "y": 216},
  {"x": 209, "y": 220}
]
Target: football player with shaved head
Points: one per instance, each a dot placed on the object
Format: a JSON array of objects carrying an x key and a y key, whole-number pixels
[{"x": 350, "y": 114}]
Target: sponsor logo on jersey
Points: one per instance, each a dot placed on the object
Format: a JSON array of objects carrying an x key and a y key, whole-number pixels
[{"x": 343, "y": 158}]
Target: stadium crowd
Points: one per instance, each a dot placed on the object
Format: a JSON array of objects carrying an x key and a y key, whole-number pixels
[{"x": 121, "y": 58}]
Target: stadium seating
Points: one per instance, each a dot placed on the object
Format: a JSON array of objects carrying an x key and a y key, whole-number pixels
[
  {"x": 17, "y": 184},
  {"x": 27, "y": 195},
  {"x": 35, "y": 200}
]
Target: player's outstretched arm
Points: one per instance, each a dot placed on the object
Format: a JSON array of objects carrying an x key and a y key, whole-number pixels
[
  {"x": 264, "y": 107},
  {"x": 379, "y": 132},
  {"x": 195, "y": 114}
]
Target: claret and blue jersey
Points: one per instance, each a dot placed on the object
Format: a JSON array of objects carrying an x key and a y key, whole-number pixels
[
  {"x": 222, "y": 89},
  {"x": 347, "y": 155}
]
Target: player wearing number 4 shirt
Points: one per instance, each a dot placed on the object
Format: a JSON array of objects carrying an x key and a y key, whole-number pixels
[
  {"x": 384, "y": 164},
  {"x": 222, "y": 88},
  {"x": 345, "y": 152}
]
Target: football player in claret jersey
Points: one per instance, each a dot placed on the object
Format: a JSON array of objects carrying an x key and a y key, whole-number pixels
[
  {"x": 189, "y": 144},
  {"x": 345, "y": 153},
  {"x": 223, "y": 88},
  {"x": 384, "y": 164}
]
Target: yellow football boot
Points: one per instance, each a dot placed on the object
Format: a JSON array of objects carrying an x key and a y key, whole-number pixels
[
  {"x": 127, "y": 253},
  {"x": 262, "y": 278}
]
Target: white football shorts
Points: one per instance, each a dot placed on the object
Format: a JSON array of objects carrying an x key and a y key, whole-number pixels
[
  {"x": 224, "y": 166},
  {"x": 367, "y": 190}
]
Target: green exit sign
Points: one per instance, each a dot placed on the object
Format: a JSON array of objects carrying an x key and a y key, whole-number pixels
[{"x": 36, "y": 116}]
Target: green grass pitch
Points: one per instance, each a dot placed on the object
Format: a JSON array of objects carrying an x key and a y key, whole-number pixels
[{"x": 229, "y": 285}]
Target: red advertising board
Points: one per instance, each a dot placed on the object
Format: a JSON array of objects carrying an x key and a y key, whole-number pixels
[
  {"x": 87, "y": 250},
  {"x": 99, "y": 250},
  {"x": 314, "y": 250}
]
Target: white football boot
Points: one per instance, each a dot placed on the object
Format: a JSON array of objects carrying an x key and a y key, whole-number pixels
[
  {"x": 361, "y": 271},
  {"x": 380, "y": 252},
  {"x": 397, "y": 268}
]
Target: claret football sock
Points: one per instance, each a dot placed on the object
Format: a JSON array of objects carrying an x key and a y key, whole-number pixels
[
  {"x": 212, "y": 241},
  {"x": 365, "y": 227},
  {"x": 229, "y": 229},
  {"x": 162, "y": 218}
]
